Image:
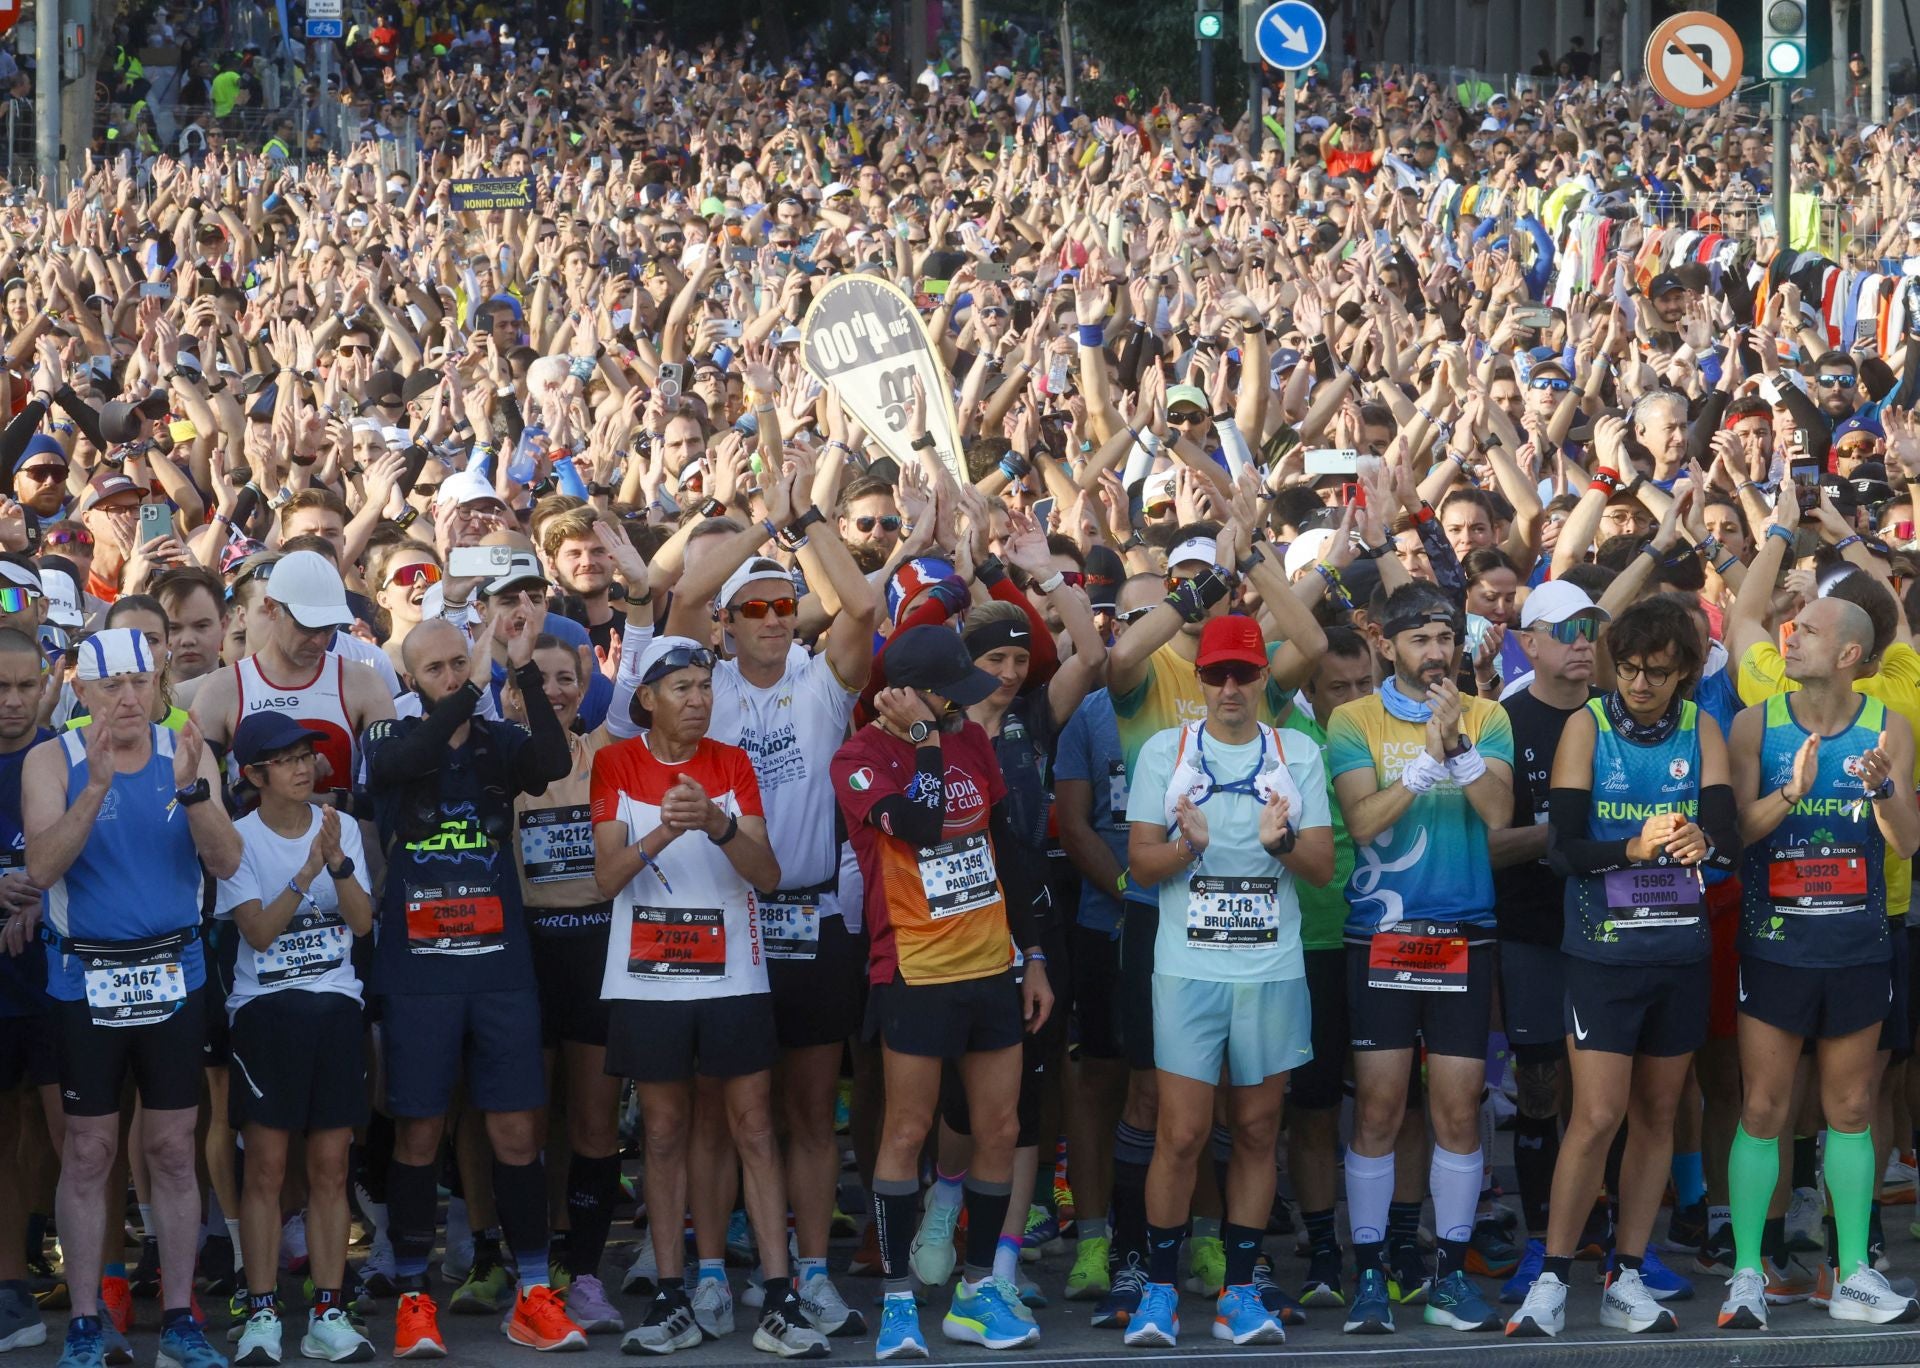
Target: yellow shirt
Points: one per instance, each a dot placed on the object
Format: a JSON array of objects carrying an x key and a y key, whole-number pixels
[{"x": 1897, "y": 684}]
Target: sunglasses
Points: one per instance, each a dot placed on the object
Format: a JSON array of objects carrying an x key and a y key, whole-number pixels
[
  {"x": 1133, "y": 615},
  {"x": 1186, "y": 418},
  {"x": 1239, "y": 671},
  {"x": 16, "y": 598},
  {"x": 1573, "y": 629},
  {"x": 355, "y": 349},
  {"x": 756, "y": 609},
  {"x": 887, "y": 522},
  {"x": 419, "y": 572},
  {"x": 74, "y": 537},
  {"x": 1550, "y": 382},
  {"x": 1175, "y": 581},
  {"x": 45, "y": 472},
  {"x": 1837, "y": 381},
  {"x": 679, "y": 658}
]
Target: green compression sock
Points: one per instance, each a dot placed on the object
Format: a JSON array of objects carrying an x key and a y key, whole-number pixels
[
  {"x": 1850, "y": 1184},
  {"x": 1753, "y": 1169}
]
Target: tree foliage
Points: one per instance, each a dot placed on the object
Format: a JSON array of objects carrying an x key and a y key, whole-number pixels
[{"x": 1141, "y": 47}]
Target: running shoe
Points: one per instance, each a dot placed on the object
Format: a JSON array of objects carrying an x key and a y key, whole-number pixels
[
  {"x": 118, "y": 1351},
  {"x": 83, "y": 1349},
  {"x": 116, "y": 1301},
  {"x": 740, "y": 1250},
  {"x": 540, "y": 1321},
  {"x": 1042, "y": 1235},
  {"x": 1715, "y": 1258},
  {"x": 931, "y": 1254},
  {"x": 713, "y": 1307},
  {"x": 184, "y": 1345},
  {"x": 1746, "y": 1305},
  {"x": 1123, "y": 1296},
  {"x": 899, "y": 1335},
  {"x": 1806, "y": 1221},
  {"x": 293, "y": 1244},
  {"x": 1372, "y": 1311},
  {"x": 1627, "y": 1305},
  {"x": 1156, "y": 1321},
  {"x": 1206, "y": 1265},
  {"x": 783, "y": 1331},
  {"x": 1787, "y": 1282},
  {"x": 21, "y": 1326},
  {"x": 237, "y": 1313},
  {"x": 377, "y": 1271},
  {"x": 488, "y": 1291},
  {"x": 866, "y": 1259},
  {"x": 1596, "y": 1237},
  {"x": 334, "y": 1338},
  {"x": 1544, "y": 1309},
  {"x": 843, "y": 1226},
  {"x": 49, "y": 1289},
  {"x": 1686, "y": 1228},
  {"x": 217, "y": 1268},
  {"x": 1514, "y": 1291},
  {"x": 145, "y": 1278},
  {"x": 588, "y": 1308},
  {"x": 989, "y": 1315},
  {"x": 416, "y": 1328},
  {"x": 1897, "y": 1184},
  {"x": 827, "y": 1311},
  {"x": 1492, "y": 1253},
  {"x": 1239, "y": 1315},
  {"x": 1457, "y": 1304},
  {"x": 1409, "y": 1277},
  {"x": 643, "y": 1274},
  {"x": 1661, "y": 1282},
  {"x": 1029, "y": 1291},
  {"x": 1088, "y": 1280},
  {"x": 1867, "y": 1297},
  {"x": 1322, "y": 1285},
  {"x": 1280, "y": 1303},
  {"x": 669, "y": 1326},
  {"x": 259, "y": 1339}
]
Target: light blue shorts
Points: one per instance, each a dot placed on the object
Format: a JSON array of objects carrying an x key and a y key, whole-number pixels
[{"x": 1256, "y": 1030}]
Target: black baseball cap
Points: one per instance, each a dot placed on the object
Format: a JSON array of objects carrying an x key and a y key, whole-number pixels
[{"x": 936, "y": 659}]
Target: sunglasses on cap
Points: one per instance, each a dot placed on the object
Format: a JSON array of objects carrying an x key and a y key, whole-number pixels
[
  {"x": 77, "y": 536},
  {"x": 16, "y": 598},
  {"x": 1836, "y": 381},
  {"x": 1133, "y": 615},
  {"x": 414, "y": 573},
  {"x": 1550, "y": 382},
  {"x": 886, "y": 522},
  {"x": 250, "y": 575},
  {"x": 1077, "y": 578},
  {"x": 1239, "y": 671},
  {"x": 679, "y": 658},
  {"x": 756, "y": 609},
  {"x": 1572, "y": 630},
  {"x": 1185, "y": 417}
]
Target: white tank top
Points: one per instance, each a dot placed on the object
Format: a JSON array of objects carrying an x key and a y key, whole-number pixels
[{"x": 319, "y": 704}]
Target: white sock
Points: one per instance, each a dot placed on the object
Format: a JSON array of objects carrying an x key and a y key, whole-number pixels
[
  {"x": 1454, "y": 1180},
  {"x": 1006, "y": 1259},
  {"x": 1717, "y": 1217},
  {"x": 378, "y": 1211},
  {"x": 1369, "y": 1194},
  {"x": 147, "y": 1227},
  {"x": 233, "y": 1231}
]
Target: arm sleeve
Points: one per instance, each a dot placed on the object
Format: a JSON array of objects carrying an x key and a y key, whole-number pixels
[
  {"x": 1541, "y": 272},
  {"x": 18, "y": 433},
  {"x": 918, "y": 815},
  {"x": 85, "y": 416},
  {"x": 396, "y": 757},
  {"x": 1721, "y": 821},
  {"x": 1029, "y": 901},
  {"x": 1810, "y": 420},
  {"x": 546, "y": 758},
  {"x": 1569, "y": 853},
  {"x": 1700, "y": 435},
  {"x": 1446, "y": 566}
]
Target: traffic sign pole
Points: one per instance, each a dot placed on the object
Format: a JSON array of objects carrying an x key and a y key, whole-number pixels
[
  {"x": 1206, "y": 72},
  {"x": 1291, "y": 119},
  {"x": 1256, "y": 110},
  {"x": 1782, "y": 177}
]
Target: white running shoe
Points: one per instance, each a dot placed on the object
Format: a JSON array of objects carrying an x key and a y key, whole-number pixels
[
  {"x": 1867, "y": 1297},
  {"x": 259, "y": 1340},
  {"x": 826, "y": 1310},
  {"x": 1746, "y": 1305},
  {"x": 1806, "y": 1221},
  {"x": 643, "y": 1274},
  {"x": 931, "y": 1253},
  {"x": 713, "y": 1307},
  {"x": 1627, "y": 1305},
  {"x": 1544, "y": 1312}
]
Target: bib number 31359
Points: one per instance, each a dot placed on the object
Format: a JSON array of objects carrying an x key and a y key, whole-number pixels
[{"x": 959, "y": 876}]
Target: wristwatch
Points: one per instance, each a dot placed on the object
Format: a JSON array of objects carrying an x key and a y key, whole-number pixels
[
  {"x": 196, "y": 792},
  {"x": 925, "y": 442},
  {"x": 918, "y": 732},
  {"x": 343, "y": 870}
]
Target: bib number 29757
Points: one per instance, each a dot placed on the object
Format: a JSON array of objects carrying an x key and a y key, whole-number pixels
[{"x": 1410, "y": 961}]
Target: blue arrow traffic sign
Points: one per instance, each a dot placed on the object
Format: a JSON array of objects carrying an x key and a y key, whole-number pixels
[{"x": 1291, "y": 35}]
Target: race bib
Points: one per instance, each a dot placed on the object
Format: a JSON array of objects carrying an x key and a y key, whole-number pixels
[
  {"x": 1229, "y": 913},
  {"x": 1643, "y": 897},
  {"x": 455, "y": 920},
  {"x": 556, "y": 844},
  {"x": 144, "y": 990},
  {"x": 1818, "y": 880},
  {"x": 312, "y": 945},
  {"x": 1422, "y": 963},
  {"x": 790, "y": 925},
  {"x": 959, "y": 876},
  {"x": 1117, "y": 792},
  {"x": 678, "y": 943}
]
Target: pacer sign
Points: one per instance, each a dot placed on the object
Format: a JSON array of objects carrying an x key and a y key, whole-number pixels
[{"x": 863, "y": 336}]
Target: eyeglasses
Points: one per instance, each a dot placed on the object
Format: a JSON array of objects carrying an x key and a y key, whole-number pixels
[
  {"x": 416, "y": 573},
  {"x": 1572, "y": 630},
  {"x": 300, "y": 757},
  {"x": 1837, "y": 381},
  {"x": 1186, "y": 418},
  {"x": 1627, "y": 670},
  {"x": 1239, "y": 671},
  {"x": 16, "y": 598},
  {"x": 679, "y": 658},
  {"x": 1550, "y": 382},
  {"x": 887, "y": 522},
  {"x": 756, "y": 609},
  {"x": 71, "y": 537}
]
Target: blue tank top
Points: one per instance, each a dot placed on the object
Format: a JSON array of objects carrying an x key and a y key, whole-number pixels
[
  {"x": 1814, "y": 894},
  {"x": 137, "y": 877},
  {"x": 1651, "y": 913}
]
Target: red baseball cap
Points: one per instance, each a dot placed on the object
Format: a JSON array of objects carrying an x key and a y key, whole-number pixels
[{"x": 1228, "y": 638}]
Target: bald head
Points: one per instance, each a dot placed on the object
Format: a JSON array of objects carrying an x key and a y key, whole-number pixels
[
  {"x": 1852, "y": 627},
  {"x": 1832, "y": 640},
  {"x": 436, "y": 658}
]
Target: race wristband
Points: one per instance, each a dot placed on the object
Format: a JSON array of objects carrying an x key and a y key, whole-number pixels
[
  {"x": 1605, "y": 480},
  {"x": 1422, "y": 773},
  {"x": 1466, "y": 766},
  {"x": 1776, "y": 530}
]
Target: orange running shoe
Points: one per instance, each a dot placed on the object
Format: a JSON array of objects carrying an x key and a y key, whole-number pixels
[
  {"x": 540, "y": 1322},
  {"x": 416, "y": 1328},
  {"x": 116, "y": 1295}
]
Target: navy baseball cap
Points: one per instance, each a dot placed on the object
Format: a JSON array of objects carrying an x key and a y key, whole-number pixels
[{"x": 268, "y": 733}]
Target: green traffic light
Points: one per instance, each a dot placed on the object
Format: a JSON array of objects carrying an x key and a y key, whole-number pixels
[{"x": 1208, "y": 25}]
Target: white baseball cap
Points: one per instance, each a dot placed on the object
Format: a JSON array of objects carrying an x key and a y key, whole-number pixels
[
  {"x": 523, "y": 568},
  {"x": 1555, "y": 602},
  {"x": 63, "y": 599},
  {"x": 308, "y": 586},
  {"x": 1308, "y": 549},
  {"x": 760, "y": 569},
  {"x": 465, "y": 487}
]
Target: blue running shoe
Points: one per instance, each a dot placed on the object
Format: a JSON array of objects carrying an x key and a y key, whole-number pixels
[
  {"x": 1661, "y": 1282},
  {"x": 900, "y": 1335},
  {"x": 1123, "y": 1296},
  {"x": 1156, "y": 1322},
  {"x": 182, "y": 1345},
  {"x": 1409, "y": 1276},
  {"x": 1241, "y": 1316},
  {"x": 990, "y": 1315},
  {"x": 84, "y": 1348},
  {"x": 1286, "y": 1307},
  {"x": 1531, "y": 1262},
  {"x": 1372, "y": 1311},
  {"x": 1457, "y": 1304}
]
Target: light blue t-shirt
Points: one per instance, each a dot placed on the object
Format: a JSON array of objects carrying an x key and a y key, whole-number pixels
[
  {"x": 1089, "y": 750},
  {"x": 1233, "y": 916}
]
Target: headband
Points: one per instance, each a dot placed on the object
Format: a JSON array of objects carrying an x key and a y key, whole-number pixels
[
  {"x": 1408, "y": 619},
  {"x": 994, "y": 635}
]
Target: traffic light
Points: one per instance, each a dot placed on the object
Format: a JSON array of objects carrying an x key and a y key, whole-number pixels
[
  {"x": 1209, "y": 23},
  {"x": 1783, "y": 46}
]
